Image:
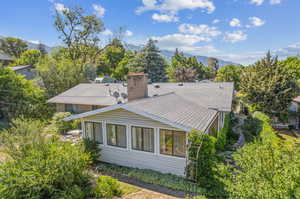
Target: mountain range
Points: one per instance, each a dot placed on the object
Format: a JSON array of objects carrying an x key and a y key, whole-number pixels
[{"x": 165, "y": 53}]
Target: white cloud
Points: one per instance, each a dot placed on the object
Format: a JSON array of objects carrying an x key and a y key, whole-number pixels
[
  {"x": 107, "y": 32},
  {"x": 273, "y": 2},
  {"x": 59, "y": 7},
  {"x": 164, "y": 18},
  {"x": 128, "y": 33},
  {"x": 99, "y": 10},
  {"x": 173, "y": 6},
  {"x": 255, "y": 21},
  {"x": 257, "y": 2},
  {"x": 200, "y": 30},
  {"x": 236, "y": 36},
  {"x": 178, "y": 40},
  {"x": 35, "y": 41},
  {"x": 215, "y": 21},
  {"x": 235, "y": 22}
]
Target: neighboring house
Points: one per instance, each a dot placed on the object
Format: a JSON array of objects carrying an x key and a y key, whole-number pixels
[
  {"x": 5, "y": 59},
  {"x": 294, "y": 113},
  {"x": 27, "y": 70},
  {"x": 149, "y": 129}
]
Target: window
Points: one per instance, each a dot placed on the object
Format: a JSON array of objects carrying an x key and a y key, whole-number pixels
[
  {"x": 116, "y": 135},
  {"x": 93, "y": 131},
  {"x": 69, "y": 108},
  {"x": 172, "y": 143},
  {"x": 142, "y": 139}
]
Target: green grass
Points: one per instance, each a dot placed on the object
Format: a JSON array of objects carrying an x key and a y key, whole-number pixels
[
  {"x": 153, "y": 177},
  {"x": 127, "y": 189}
]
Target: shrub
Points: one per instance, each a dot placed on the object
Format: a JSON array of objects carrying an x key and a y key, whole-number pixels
[
  {"x": 206, "y": 156},
  {"x": 92, "y": 147},
  {"x": 106, "y": 187},
  {"x": 251, "y": 128},
  {"x": 223, "y": 134},
  {"x": 41, "y": 166},
  {"x": 62, "y": 126},
  {"x": 268, "y": 167}
]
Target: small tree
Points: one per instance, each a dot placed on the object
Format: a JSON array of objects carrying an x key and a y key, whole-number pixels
[
  {"x": 230, "y": 73},
  {"x": 29, "y": 57}
]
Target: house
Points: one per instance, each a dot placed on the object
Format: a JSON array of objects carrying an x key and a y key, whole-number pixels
[
  {"x": 149, "y": 129},
  {"x": 5, "y": 59},
  {"x": 27, "y": 70},
  {"x": 294, "y": 115}
]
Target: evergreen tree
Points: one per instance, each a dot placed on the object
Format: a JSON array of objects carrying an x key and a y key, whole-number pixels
[
  {"x": 149, "y": 61},
  {"x": 267, "y": 86}
]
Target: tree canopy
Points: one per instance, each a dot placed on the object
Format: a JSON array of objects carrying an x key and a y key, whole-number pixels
[
  {"x": 29, "y": 57},
  {"x": 149, "y": 61},
  {"x": 266, "y": 86},
  {"x": 13, "y": 46},
  {"x": 230, "y": 73}
]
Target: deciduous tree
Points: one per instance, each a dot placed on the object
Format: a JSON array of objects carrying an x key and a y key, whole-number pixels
[{"x": 230, "y": 73}]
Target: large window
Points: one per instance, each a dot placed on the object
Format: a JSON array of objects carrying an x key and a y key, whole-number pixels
[
  {"x": 93, "y": 131},
  {"x": 172, "y": 143},
  {"x": 116, "y": 135},
  {"x": 142, "y": 139}
]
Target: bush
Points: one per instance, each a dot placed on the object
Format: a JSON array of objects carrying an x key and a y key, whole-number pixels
[
  {"x": 92, "y": 147},
  {"x": 41, "y": 166},
  {"x": 268, "y": 167},
  {"x": 106, "y": 187},
  {"x": 62, "y": 126},
  {"x": 251, "y": 128},
  {"x": 223, "y": 134}
]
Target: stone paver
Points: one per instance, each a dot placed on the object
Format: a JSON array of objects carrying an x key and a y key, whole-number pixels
[{"x": 147, "y": 194}]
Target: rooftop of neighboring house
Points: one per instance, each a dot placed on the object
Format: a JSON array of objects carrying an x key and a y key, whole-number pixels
[
  {"x": 210, "y": 95},
  {"x": 17, "y": 68},
  {"x": 5, "y": 57}
]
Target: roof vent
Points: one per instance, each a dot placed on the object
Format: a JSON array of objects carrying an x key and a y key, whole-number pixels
[
  {"x": 155, "y": 95},
  {"x": 107, "y": 84},
  {"x": 119, "y": 102},
  {"x": 124, "y": 84},
  {"x": 156, "y": 86},
  {"x": 180, "y": 84}
]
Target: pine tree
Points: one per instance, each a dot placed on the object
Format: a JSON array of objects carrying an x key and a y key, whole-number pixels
[
  {"x": 149, "y": 61},
  {"x": 267, "y": 86}
]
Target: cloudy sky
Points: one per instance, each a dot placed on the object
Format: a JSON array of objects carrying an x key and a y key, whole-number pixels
[{"x": 235, "y": 30}]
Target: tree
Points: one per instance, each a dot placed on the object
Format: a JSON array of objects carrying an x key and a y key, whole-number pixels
[
  {"x": 42, "y": 48},
  {"x": 60, "y": 75},
  {"x": 230, "y": 73},
  {"x": 21, "y": 97},
  {"x": 292, "y": 65},
  {"x": 122, "y": 69},
  {"x": 79, "y": 33},
  {"x": 29, "y": 57},
  {"x": 266, "y": 86},
  {"x": 183, "y": 74},
  {"x": 110, "y": 57},
  {"x": 149, "y": 60},
  {"x": 12, "y": 46},
  {"x": 193, "y": 69}
]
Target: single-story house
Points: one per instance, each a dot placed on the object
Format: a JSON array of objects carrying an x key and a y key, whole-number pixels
[
  {"x": 148, "y": 127},
  {"x": 27, "y": 70}
]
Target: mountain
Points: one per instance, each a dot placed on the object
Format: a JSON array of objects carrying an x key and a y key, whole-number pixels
[{"x": 168, "y": 55}]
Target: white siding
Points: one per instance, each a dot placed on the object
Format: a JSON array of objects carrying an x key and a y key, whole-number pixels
[{"x": 132, "y": 158}]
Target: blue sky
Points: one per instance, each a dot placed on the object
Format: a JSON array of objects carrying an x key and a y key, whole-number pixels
[{"x": 234, "y": 30}]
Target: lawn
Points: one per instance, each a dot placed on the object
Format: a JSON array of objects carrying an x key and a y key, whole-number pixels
[
  {"x": 288, "y": 136},
  {"x": 153, "y": 177},
  {"x": 128, "y": 188}
]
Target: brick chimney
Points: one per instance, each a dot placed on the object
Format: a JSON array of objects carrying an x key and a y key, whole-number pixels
[{"x": 137, "y": 86}]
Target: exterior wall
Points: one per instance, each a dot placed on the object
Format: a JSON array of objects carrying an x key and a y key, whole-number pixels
[
  {"x": 293, "y": 107},
  {"x": 77, "y": 108},
  {"x": 132, "y": 158}
]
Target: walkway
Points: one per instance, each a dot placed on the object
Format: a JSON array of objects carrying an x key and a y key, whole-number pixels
[{"x": 238, "y": 130}]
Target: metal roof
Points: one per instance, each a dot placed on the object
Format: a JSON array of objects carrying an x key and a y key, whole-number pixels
[
  {"x": 208, "y": 95},
  {"x": 169, "y": 108},
  {"x": 16, "y": 68}
]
